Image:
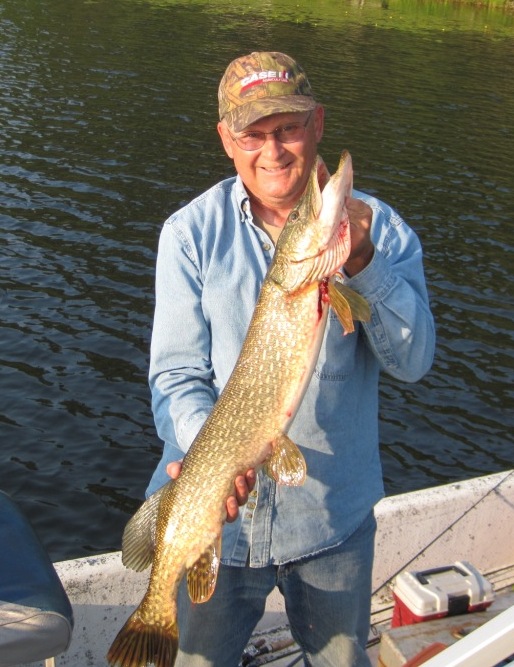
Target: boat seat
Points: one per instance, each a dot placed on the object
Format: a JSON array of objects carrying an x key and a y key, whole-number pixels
[{"x": 36, "y": 618}]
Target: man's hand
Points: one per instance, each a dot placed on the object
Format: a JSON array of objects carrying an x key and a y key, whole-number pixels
[
  {"x": 360, "y": 215},
  {"x": 243, "y": 485}
]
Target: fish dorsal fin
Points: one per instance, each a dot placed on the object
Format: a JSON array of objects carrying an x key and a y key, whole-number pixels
[
  {"x": 286, "y": 464},
  {"x": 202, "y": 575},
  {"x": 348, "y": 305},
  {"x": 138, "y": 542}
]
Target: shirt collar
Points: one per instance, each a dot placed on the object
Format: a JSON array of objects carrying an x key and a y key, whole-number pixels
[{"x": 243, "y": 200}]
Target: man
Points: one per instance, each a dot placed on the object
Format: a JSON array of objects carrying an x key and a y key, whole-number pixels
[{"x": 314, "y": 542}]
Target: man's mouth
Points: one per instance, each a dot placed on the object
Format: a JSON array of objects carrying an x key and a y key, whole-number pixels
[{"x": 275, "y": 170}]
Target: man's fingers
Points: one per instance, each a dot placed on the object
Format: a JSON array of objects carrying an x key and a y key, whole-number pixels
[
  {"x": 173, "y": 469},
  {"x": 232, "y": 509},
  {"x": 243, "y": 485},
  {"x": 251, "y": 478},
  {"x": 241, "y": 488}
]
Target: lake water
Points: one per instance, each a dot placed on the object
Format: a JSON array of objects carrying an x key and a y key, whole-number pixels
[{"x": 107, "y": 124}]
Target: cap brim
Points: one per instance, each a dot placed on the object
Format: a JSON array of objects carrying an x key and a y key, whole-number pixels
[{"x": 253, "y": 111}]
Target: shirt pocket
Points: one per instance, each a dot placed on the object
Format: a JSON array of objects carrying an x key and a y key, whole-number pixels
[{"x": 336, "y": 359}]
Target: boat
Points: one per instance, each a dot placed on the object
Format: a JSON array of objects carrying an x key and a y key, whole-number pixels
[{"x": 471, "y": 521}]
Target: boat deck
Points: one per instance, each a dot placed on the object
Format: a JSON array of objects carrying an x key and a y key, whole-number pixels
[
  {"x": 388, "y": 647},
  {"x": 471, "y": 520}
]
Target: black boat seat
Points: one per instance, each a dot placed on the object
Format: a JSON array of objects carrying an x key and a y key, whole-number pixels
[{"x": 36, "y": 618}]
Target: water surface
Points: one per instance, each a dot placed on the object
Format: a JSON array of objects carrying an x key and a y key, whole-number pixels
[{"x": 107, "y": 124}]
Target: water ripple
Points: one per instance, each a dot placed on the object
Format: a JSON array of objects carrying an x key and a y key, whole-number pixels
[{"x": 107, "y": 124}]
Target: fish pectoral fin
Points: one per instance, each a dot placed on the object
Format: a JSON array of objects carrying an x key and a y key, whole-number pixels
[
  {"x": 348, "y": 305},
  {"x": 286, "y": 464},
  {"x": 202, "y": 575},
  {"x": 138, "y": 542}
]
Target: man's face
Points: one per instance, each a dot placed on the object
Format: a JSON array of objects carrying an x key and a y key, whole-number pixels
[{"x": 276, "y": 174}]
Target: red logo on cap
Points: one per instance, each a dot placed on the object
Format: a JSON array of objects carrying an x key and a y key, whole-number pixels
[{"x": 269, "y": 76}]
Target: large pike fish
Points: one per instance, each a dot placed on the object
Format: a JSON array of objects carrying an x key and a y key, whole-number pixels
[{"x": 247, "y": 428}]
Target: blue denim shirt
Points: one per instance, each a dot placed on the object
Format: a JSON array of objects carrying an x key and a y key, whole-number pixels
[{"x": 211, "y": 262}]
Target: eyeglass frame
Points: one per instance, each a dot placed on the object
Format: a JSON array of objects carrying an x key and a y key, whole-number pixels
[{"x": 274, "y": 132}]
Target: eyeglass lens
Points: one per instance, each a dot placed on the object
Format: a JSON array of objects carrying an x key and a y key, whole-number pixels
[{"x": 286, "y": 134}]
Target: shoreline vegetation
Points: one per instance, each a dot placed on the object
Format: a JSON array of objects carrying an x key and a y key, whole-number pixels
[
  {"x": 333, "y": 8},
  {"x": 505, "y": 5},
  {"x": 331, "y": 12}
]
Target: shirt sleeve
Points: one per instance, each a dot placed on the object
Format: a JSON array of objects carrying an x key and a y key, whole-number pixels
[
  {"x": 401, "y": 331},
  {"x": 180, "y": 375}
]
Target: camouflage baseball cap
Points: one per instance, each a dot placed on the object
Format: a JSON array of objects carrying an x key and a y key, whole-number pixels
[{"x": 261, "y": 84}]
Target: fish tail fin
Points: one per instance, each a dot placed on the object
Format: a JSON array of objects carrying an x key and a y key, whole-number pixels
[{"x": 141, "y": 643}]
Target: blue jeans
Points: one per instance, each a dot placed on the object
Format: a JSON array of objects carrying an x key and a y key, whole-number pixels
[{"x": 327, "y": 599}]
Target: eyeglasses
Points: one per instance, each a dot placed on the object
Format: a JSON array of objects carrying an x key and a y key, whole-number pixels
[{"x": 286, "y": 134}]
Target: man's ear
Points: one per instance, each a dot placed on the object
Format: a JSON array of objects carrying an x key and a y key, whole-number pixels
[
  {"x": 226, "y": 139},
  {"x": 319, "y": 117}
]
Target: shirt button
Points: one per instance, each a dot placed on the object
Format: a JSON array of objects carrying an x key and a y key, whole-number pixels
[{"x": 266, "y": 247}]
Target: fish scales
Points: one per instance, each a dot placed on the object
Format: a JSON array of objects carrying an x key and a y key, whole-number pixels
[{"x": 178, "y": 529}]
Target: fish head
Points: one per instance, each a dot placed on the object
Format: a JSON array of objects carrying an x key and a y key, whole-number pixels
[{"x": 315, "y": 241}]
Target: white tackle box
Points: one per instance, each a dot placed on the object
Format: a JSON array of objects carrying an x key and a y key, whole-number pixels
[{"x": 439, "y": 592}]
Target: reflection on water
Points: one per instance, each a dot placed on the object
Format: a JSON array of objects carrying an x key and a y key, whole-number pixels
[{"x": 107, "y": 113}]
